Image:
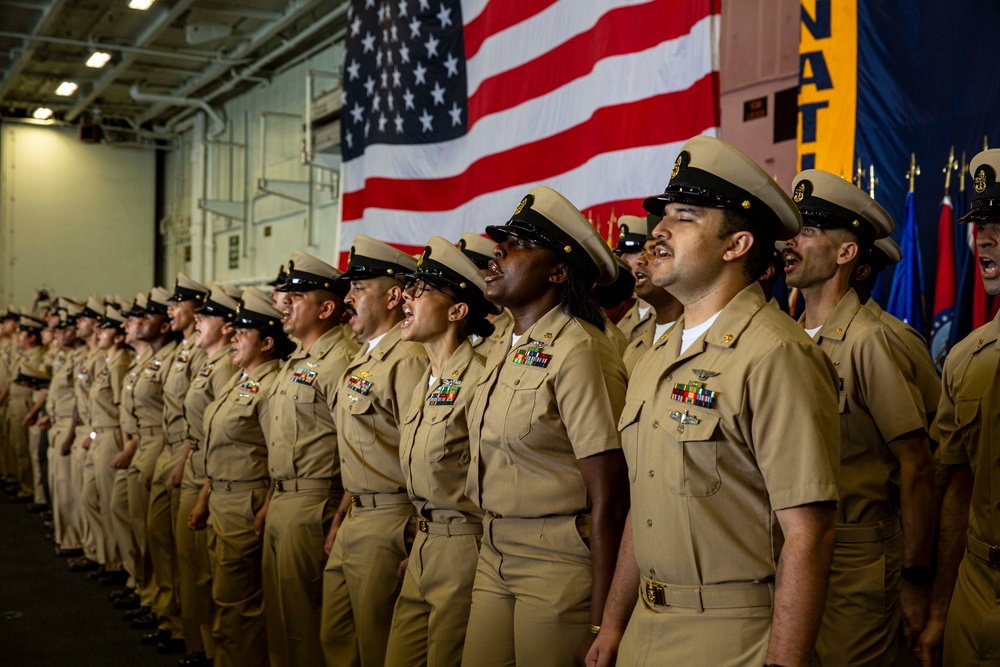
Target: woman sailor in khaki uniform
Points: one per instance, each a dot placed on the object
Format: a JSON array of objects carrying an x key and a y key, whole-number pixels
[
  {"x": 236, "y": 494},
  {"x": 444, "y": 305},
  {"x": 546, "y": 465}
]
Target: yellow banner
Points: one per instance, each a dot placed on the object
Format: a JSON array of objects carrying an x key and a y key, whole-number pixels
[{"x": 828, "y": 85}]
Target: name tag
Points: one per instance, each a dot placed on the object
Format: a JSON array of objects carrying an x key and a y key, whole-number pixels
[
  {"x": 303, "y": 376},
  {"x": 532, "y": 356}
]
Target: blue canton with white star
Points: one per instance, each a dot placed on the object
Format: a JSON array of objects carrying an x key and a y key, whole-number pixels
[{"x": 404, "y": 74}]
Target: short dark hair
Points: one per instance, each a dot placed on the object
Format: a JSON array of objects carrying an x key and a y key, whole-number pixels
[{"x": 763, "y": 241}]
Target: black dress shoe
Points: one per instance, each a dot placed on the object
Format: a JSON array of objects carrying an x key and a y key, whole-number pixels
[
  {"x": 198, "y": 659},
  {"x": 82, "y": 564},
  {"x": 46, "y": 515},
  {"x": 68, "y": 553},
  {"x": 120, "y": 593},
  {"x": 154, "y": 638},
  {"x": 113, "y": 578},
  {"x": 147, "y": 621},
  {"x": 138, "y": 612},
  {"x": 20, "y": 500},
  {"x": 96, "y": 573},
  {"x": 37, "y": 508},
  {"x": 170, "y": 646},
  {"x": 48, "y": 525},
  {"x": 127, "y": 602}
]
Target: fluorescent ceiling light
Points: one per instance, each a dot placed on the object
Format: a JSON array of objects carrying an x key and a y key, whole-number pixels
[
  {"x": 42, "y": 113},
  {"x": 98, "y": 59},
  {"x": 140, "y": 4},
  {"x": 66, "y": 88}
]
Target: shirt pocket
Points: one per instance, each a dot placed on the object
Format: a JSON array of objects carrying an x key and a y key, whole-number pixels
[
  {"x": 628, "y": 426},
  {"x": 362, "y": 425},
  {"x": 432, "y": 434},
  {"x": 304, "y": 398},
  {"x": 696, "y": 465},
  {"x": 240, "y": 417},
  {"x": 524, "y": 396},
  {"x": 845, "y": 423}
]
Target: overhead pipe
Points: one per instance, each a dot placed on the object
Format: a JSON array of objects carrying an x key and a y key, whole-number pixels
[
  {"x": 197, "y": 56},
  {"x": 218, "y": 122}
]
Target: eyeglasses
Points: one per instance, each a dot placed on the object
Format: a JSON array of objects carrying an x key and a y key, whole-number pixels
[{"x": 417, "y": 286}]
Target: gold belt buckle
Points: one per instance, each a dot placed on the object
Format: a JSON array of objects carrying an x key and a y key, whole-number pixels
[
  {"x": 495, "y": 515},
  {"x": 356, "y": 500},
  {"x": 654, "y": 594},
  {"x": 422, "y": 525},
  {"x": 278, "y": 486}
]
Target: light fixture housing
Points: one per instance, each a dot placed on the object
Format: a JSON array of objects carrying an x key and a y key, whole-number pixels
[
  {"x": 140, "y": 4},
  {"x": 66, "y": 88},
  {"x": 42, "y": 113},
  {"x": 98, "y": 59}
]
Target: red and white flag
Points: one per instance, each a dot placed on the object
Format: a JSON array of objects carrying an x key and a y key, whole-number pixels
[{"x": 453, "y": 110}]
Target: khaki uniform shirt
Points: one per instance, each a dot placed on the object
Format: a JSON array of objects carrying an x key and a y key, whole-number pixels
[
  {"x": 968, "y": 419},
  {"x": 541, "y": 405},
  {"x": 434, "y": 444},
  {"x": 106, "y": 389},
  {"x": 129, "y": 425},
  {"x": 640, "y": 345},
  {"x": 235, "y": 426},
  {"x": 374, "y": 394},
  {"x": 614, "y": 334},
  {"x": 921, "y": 365},
  {"x": 147, "y": 391},
  {"x": 61, "y": 398},
  {"x": 715, "y": 444},
  {"x": 213, "y": 375},
  {"x": 879, "y": 402},
  {"x": 303, "y": 437},
  {"x": 177, "y": 379},
  {"x": 5, "y": 369},
  {"x": 87, "y": 366},
  {"x": 633, "y": 324},
  {"x": 502, "y": 326}
]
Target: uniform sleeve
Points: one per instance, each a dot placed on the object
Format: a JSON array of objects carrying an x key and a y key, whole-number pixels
[
  {"x": 117, "y": 373},
  {"x": 952, "y": 449},
  {"x": 408, "y": 372},
  {"x": 791, "y": 405},
  {"x": 590, "y": 395},
  {"x": 889, "y": 391}
]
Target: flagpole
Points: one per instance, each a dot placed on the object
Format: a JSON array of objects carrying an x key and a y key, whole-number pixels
[{"x": 951, "y": 166}]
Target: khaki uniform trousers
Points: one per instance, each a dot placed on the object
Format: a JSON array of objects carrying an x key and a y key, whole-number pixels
[
  {"x": 67, "y": 524},
  {"x": 18, "y": 406},
  {"x": 361, "y": 582},
  {"x": 35, "y": 452},
  {"x": 972, "y": 631},
  {"x": 531, "y": 598},
  {"x": 8, "y": 462},
  {"x": 194, "y": 576},
  {"x": 293, "y": 559},
  {"x": 98, "y": 484},
  {"x": 727, "y": 626},
  {"x": 140, "y": 479},
  {"x": 164, "y": 506},
  {"x": 239, "y": 630},
  {"x": 78, "y": 460},
  {"x": 432, "y": 611},
  {"x": 862, "y": 620}
]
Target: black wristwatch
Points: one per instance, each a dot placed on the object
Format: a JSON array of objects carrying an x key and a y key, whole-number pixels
[{"x": 918, "y": 575}]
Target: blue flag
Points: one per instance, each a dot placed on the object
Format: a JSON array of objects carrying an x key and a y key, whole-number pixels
[{"x": 906, "y": 295}]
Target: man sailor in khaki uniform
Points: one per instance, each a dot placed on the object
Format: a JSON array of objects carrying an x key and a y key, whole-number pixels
[
  {"x": 83, "y": 376},
  {"x": 968, "y": 550},
  {"x": 22, "y": 405},
  {"x": 885, "y": 520},
  {"x": 8, "y": 344},
  {"x": 147, "y": 408},
  {"x": 922, "y": 368},
  {"x": 631, "y": 242},
  {"x": 374, "y": 529},
  {"x": 303, "y": 462},
  {"x": 720, "y": 502}
]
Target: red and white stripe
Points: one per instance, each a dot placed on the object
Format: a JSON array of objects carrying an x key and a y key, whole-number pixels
[{"x": 591, "y": 98}]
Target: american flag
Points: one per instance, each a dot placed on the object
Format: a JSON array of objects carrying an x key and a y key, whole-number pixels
[{"x": 454, "y": 109}]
